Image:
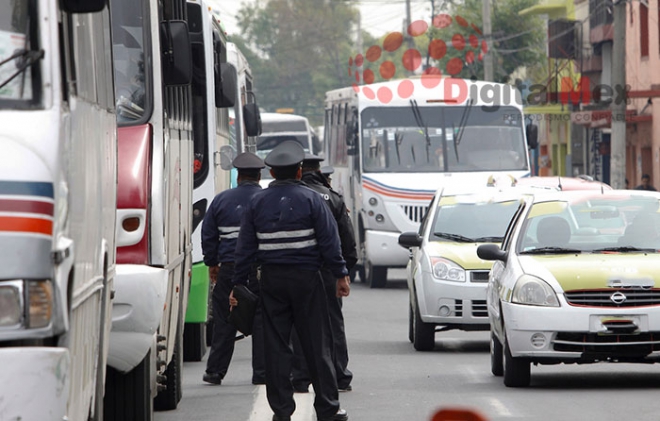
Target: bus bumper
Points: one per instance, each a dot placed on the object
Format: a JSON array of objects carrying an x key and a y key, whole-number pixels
[
  {"x": 383, "y": 249},
  {"x": 137, "y": 310},
  {"x": 35, "y": 383}
]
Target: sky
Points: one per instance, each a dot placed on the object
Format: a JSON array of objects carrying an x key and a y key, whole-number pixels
[{"x": 379, "y": 17}]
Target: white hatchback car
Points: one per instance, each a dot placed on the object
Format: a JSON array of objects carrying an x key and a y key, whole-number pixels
[
  {"x": 576, "y": 280},
  {"x": 446, "y": 279}
]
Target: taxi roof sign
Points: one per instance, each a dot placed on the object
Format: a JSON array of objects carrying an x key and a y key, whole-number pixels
[{"x": 285, "y": 110}]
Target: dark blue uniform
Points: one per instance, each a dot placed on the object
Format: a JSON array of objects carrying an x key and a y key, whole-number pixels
[
  {"x": 290, "y": 232},
  {"x": 219, "y": 237}
]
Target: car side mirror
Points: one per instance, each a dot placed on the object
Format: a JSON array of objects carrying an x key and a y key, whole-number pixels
[
  {"x": 491, "y": 252},
  {"x": 252, "y": 119},
  {"x": 83, "y": 6},
  {"x": 410, "y": 239},
  {"x": 532, "y": 133},
  {"x": 226, "y": 85},
  {"x": 177, "y": 53}
]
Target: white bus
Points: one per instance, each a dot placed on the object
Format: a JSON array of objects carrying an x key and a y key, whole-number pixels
[
  {"x": 244, "y": 141},
  {"x": 393, "y": 144},
  {"x": 278, "y": 127},
  {"x": 215, "y": 91},
  {"x": 58, "y": 177},
  {"x": 153, "y": 73}
]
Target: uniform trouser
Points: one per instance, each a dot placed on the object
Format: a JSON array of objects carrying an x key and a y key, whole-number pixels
[
  {"x": 224, "y": 333},
  {"x": 299, "y": 374},
  {"x": 295, "y": 299}
]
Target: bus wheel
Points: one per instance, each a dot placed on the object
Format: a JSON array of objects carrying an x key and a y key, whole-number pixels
[
  {"x": 375, "y": 276},
  {"x": 128, "y": 396}
]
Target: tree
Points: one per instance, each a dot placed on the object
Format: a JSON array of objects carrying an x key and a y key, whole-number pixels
[{"x": 297, "y": 50}]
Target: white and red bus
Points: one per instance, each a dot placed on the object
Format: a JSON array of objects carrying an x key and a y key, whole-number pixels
[
  {"x": 153, "y": 73},
  {"x": 58, "y": 178}
]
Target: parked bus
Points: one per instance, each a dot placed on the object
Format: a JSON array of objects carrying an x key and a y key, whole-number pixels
[
  {"x": 244, "y": 142},
  {"x": 215, "y": 91},
  {"x": 391, "y": 156},
  {"x": 276, "y": 128},
  {"x": 153, "y": 72},
  {"x": 58, "y": 177}
]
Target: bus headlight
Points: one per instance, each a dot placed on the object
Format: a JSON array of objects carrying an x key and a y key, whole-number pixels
[
  {"x": 11, "y": 305},
  {"x": 373, "y": 201},
  {"x": 40, "y": 301}
]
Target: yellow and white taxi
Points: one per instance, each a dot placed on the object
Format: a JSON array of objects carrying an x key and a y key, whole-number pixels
[
  {"x": 446, "y": 279},
  {"x": 575, "y": 280}
]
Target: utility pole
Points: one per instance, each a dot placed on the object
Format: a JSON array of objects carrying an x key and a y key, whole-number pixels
[
  {"x": 408, "y": 22},
  {"x": 618, "y": 106},
  {"x": 488, "y": 30}
]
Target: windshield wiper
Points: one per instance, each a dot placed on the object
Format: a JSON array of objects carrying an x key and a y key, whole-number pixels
[
  {"x": 422, "y": 125},
  {"x": 455, "y": 237},
  {"x": 488, "y": 239},
  {"x": 624, "y": 249},
  {"x": 29, "y": 58},
  {"x": 551, "y": 250}
]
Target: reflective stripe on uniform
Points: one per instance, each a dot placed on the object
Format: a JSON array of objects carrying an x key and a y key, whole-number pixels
[
  {"x": 229, "y": 236},
  {"x": 285, "y": 234},
  {"x": 285, "y": 246},
  {"x": 228, "y": 229}
]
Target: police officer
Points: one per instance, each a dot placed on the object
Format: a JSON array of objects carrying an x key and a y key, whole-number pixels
[
  {"x": 219, "y": 236},
  {"x": 327, "y": 172},
  {"x": 314, "y": 179},
  {"x": 289, "y": 230}
]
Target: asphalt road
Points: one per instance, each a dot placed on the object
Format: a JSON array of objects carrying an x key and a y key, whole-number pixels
[{"x": 394, "y": 382}]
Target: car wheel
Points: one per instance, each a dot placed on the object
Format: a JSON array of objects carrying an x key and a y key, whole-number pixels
[
  {"x": 496, "y": 363},
  {"x": 516, "y": 370},
  {"x": 376, "y": 276},
  {"x": 423, "y": 333}
]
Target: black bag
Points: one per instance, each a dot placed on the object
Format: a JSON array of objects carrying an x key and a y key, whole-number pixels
[{"x": 242, "y": 316}]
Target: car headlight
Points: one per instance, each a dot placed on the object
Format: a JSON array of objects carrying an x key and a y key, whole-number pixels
[
  {"x": 446, "y": 270},
  {"x": 534, "y": 291}
]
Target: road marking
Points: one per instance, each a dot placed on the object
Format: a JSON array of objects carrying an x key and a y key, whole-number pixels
[
  {"x": 261, "y": 409},
  {"x": 500, "y": 408}
]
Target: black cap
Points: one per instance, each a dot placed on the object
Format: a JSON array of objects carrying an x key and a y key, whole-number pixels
[
  {"x": 327, "y": 170},
  {"x": 286, "y": 154},
  {"x": 248, "y": 161},
  {"x": 312, "y": 158}
]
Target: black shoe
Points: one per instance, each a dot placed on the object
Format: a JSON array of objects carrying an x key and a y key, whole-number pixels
[
  {"x": 259, "y": 381},
  {"x": 341, "y": 415},
  {"x": 346, "y": 389},
  {"x": 213, "y": 378},
  {"x": 281, "y": 418}
]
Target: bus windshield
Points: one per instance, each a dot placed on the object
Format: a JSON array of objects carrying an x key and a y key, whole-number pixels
[
  {"x": 443, "y": 139},
  {"x": 130, "y": 58},
  {"x": 15, "y": 46}
]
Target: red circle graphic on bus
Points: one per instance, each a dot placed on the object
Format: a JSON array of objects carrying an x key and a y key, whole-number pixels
[{"x": 466, "y": 49}]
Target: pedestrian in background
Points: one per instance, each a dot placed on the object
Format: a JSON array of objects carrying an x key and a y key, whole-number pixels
[
  {"x": 219, "y": 237},
  {"x": 646, "y": 184},
  {"x": 290, "y": 232},
  {"x": 315, "y": 180}
]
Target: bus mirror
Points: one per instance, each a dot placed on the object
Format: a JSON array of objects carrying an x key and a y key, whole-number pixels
[
  {"x": 252, "y": 119},
  {"x": 532, "y": 132},
  {"x": 177, "y": 55},
  {"x": 83, "y": 6},
  {"x": 226, "y": 157},
  {"x": 226, "y": 83}
]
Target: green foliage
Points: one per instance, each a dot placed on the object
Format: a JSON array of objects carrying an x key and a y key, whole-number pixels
[{"x": 298, "y": 49}]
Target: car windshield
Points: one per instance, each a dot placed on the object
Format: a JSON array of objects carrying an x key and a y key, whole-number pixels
[
  {"x": 617, "y": 223},
  {"x": 472, "y": 222}
]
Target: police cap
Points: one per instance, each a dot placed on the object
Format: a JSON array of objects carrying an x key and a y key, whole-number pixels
[
  {"x": 248, "y": 161},
  {"x": 312, "y": 158},
  {"x": 286, "y": 154},
  {"x": 327, "y": 170}
]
